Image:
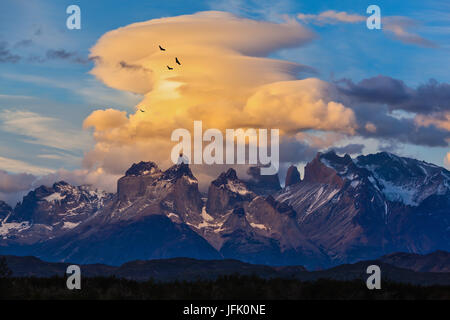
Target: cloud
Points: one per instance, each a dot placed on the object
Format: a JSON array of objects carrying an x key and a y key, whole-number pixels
[
  {"x": 299, "y": 105},
  {"x": 10, "y": 183},
  {"x": 258, "y": 9},
  {"x": 439, "y": 120},
  {"x": 331, "y": 17},
  {"x": 18, "y": 166},
  {"x": 430, "y": 97},
  {"x": 388, "y": 109},
  {"x": 97, "y": 178},
  {"x": 447, "y": 160},
  {"x": 352, "y": 148},
  {"x": 23, "y": 43},
  {"x": 396, "y": 26},
  {"x": 43, "y": 130},
  {"x": 93, "y": 92},
  {"x": 399, "y": 129},
  {"x": 61, "y": 54},
  {"x": 370, "y": 127},
  {"x": 399, "y": 27},
  {"x": 6, "y": 56},
  {"x": 294, "y": 151},
  {"x": 226, "y": 81},
  {"x": 135, "y": 67},
  {"x": 103, "y": 120}
]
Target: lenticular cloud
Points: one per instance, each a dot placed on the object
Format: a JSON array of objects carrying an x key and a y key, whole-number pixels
[{"x": 225, "y": 79}]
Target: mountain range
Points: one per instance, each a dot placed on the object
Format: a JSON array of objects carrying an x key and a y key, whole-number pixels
[
  {"x": 432, "y": 269},
  {"x": 344, "y": 210}
]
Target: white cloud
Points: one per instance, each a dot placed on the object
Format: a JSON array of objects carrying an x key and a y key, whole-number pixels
[
  {"x": 397, "y": 26},
  {"x": 92, "y": 91},
  {"x": 43, "y": 130},
  {"x": 447, "y": 160},
  {"x": 18, "y": 166}
]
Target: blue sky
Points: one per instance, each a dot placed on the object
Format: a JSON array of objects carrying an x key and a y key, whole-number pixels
[{"x": 52, "y": 97}]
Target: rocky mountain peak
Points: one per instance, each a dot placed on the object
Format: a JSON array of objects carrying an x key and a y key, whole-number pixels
[
  {"x": 60, "y": 184},
  {"x": 226, "y": 191},
  {"x": 177, "y": 171},
  {"x": 61, "y": 206},
  {"x": 322, "y": 169},
  {"x": 224, "y": 177},
  {"x": 292, "y": 176},
  {"x": 405, "y": 180},
  {"x": 5, "y": 210},
  {"x": 142, "y": 168}
]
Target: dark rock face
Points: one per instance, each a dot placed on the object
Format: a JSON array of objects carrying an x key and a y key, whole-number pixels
[
  {"x": 142, "y": 168},
  {"x": 262, "y": 184},
  {"x": 184, "y": 194},
  {"x": 5, "y": 210},
  {"x": 137, "y": 178},
  {"x": 317, "y": 172},
  {"x": 152, "y": 237},
  {"x": 292, "y": 176},
  {"x": 227, "y": 191}
]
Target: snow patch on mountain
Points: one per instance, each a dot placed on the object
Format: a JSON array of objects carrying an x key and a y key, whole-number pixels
[
  {"x": 55, "y": 197},
  {"x": 70, "y": 225},
  {"x": 7, "y": 227},
  {"x": 258, "y": 226}
]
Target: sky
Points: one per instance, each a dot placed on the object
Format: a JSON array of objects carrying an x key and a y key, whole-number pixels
[{"x": 70, "y": 100}]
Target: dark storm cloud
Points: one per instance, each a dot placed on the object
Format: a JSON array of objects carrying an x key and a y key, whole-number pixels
[
  {"x": 427, "y": 98},
  {"x": 294, "y": 151},
  {"x": 6, "y": 56},
  {"x": 403, "y": 130}
]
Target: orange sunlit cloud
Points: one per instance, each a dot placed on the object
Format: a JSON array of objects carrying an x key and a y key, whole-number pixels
[{"x": 225, "y": 80}]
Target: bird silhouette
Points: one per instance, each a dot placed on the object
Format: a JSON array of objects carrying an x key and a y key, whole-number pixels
[
  {"x": 177, "y": 61},
  {"x": 161, "y": 48},
  {"x": 169, "y": 68}
]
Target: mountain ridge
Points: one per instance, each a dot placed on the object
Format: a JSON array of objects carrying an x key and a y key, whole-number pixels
[
  {"x": 344, "y": 210},
  {"x": 188, "y": 269}
]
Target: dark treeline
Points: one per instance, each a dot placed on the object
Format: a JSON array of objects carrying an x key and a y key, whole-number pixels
[{"x": 230, "y": 287}]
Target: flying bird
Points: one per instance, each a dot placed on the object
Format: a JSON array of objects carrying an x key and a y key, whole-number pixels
[
  {"x": 161, "y": 48},
  {"x": 169, "y": 68},
  {"x": 177, "y": 61}
]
